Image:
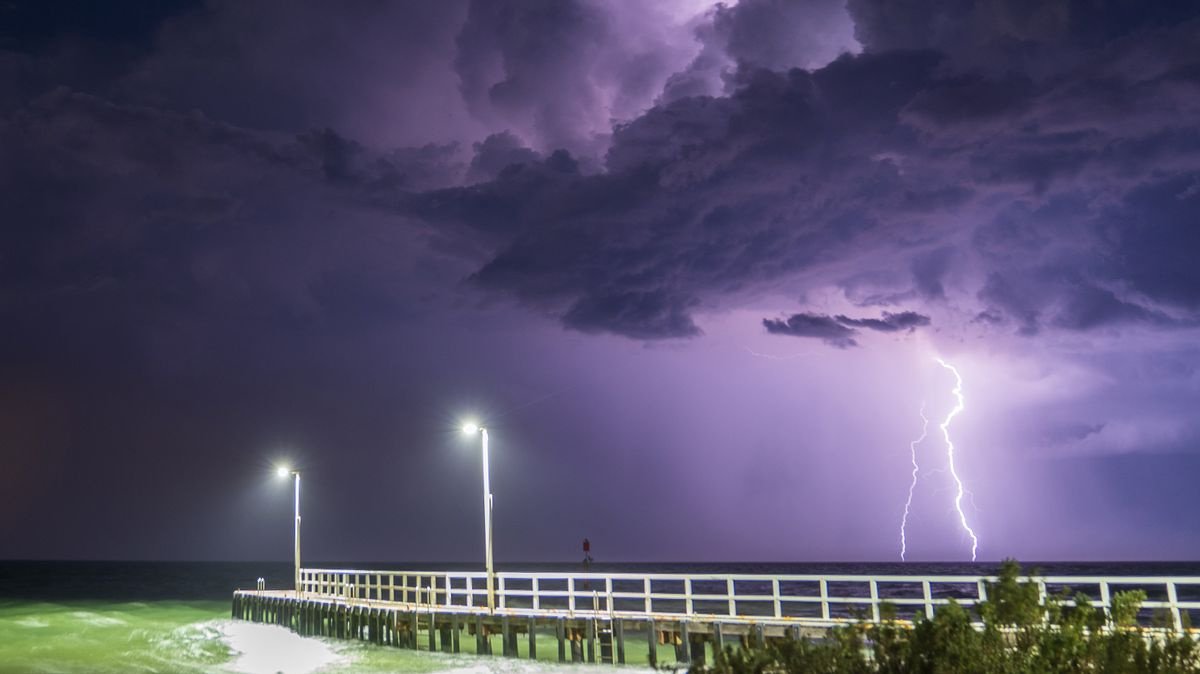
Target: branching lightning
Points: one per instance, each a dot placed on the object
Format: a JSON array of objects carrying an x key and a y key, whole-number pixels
[
  {"x": 912, "y": 446},
  {"x": 945, "y": 426}
]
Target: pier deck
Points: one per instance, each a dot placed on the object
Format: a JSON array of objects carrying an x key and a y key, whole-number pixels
[{"x": 694, "y": 613}]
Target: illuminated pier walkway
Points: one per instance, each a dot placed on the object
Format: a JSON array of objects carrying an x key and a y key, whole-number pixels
[{"x": 437, "y": 610}]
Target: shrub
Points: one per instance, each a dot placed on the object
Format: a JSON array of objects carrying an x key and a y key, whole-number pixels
[{"x": 1017, "y": 633}]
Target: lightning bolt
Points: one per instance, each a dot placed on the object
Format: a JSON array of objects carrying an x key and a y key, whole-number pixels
[
  {"x": 945, "y": 426},
  {"x": 912, "y": 447}
]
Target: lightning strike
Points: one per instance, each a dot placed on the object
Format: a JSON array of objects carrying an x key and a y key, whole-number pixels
[
  {"x": 912, "y": 446},
  {"x": 945, "y": 426}
]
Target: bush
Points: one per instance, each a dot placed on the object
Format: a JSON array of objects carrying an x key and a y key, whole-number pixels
[{"x": 1020, "y": 635}]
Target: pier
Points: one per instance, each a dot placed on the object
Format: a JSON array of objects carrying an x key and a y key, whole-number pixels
[{"x": 620, "y": 618}]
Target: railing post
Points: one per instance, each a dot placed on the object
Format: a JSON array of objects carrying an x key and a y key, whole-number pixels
[
  {"x": 729, "y": 596},
  {"x": 470, "y": 592},
  {"x": 824, "y": 599},
  {"x": 608, "y": 599},
  {"x": 391, "y": 587},
  {"x": 571, "y": 595},
  {"x": 537, "y": 603},
  {"x": 500, "y": 590},
  {"x": 776, "y": 598},
  {"x": 928, "y": 599},
  {"x": 1106, "y": 603},
  {"x": 646, "y": 591},
  {"x": 687, "y": 597},
  {"x": 1173, "y": 601},
  {"x": 875, "y": 600}
]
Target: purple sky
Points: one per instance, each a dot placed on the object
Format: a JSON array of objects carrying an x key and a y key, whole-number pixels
[{"x": 693, "y": 265}]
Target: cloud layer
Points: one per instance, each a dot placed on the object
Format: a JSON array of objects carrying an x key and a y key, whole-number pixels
[{"x": 840, "y": 330}]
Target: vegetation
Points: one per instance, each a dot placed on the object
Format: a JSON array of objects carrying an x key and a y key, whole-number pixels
[{"x": 1020, "y": 635}]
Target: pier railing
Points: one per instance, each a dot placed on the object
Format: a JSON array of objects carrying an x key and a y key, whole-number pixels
[{"x": 816, "y": 600}]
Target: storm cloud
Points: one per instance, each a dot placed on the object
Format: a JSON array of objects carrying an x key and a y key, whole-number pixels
[
  {"x": 786, "y": 173},
  {"x": 839, "y": 331},
  {"x": 825, "y": 328}
]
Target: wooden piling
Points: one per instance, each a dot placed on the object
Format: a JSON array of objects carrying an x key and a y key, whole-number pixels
[
  {"x": 576, "y": 647},
  {"x": 619, "y": 633},
  {"x": 652, "y": 643},
  {"x": 590, "y": 630},
  {"x": 532, "y": 639},
  {"x": 560, "y": 631},
  {"x": 696, "y": 651},
  {"x": 482, "y": 645}
]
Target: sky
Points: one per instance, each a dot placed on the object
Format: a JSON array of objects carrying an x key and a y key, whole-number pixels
[{"x": 694, "y": 266}]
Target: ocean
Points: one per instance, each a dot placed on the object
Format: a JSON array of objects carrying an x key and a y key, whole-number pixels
[{"x": 100, "y": 617}]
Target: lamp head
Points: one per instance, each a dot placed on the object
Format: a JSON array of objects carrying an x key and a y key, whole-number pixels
[
  {"x": 470, "y": 428},
  {"x": 282, "y": 471}
]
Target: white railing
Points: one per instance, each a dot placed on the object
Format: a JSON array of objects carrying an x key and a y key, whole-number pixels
[{"x": 819, "y": 600}]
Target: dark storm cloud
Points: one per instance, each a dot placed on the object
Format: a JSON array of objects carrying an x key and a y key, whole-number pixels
[
  {"x": 825, "y": 328},
  {"x": 1031, "y": 35},
  {"x": 497, "y": 152},
  {"x": 925, "y": 167},
  {"x": 557, "y": 73},
  {"x": 780, "y": 35},
  {"x": 1158, "y": 236},
  {"x": 645, "y": 315},
  {"x": 929, "y": 270},
  {"x": 704, "y": 196},
  {"x": 519, "y": 60},
  {"x": 840, "y": 330},
  {"x": 377, "y": 72},
  {"x": 773, "y": 34},
  {"x": 888, "y": 322},
  {"x": 708, "y": 196},
  {"x": 163, "y": 235}
]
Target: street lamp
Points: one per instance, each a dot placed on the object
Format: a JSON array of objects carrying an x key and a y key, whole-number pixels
[
  {"x": 472, "y": 429},
  {"x": 284, "y": 471}
]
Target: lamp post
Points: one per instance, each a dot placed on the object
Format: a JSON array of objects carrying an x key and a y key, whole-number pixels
[
  {"x": 284, "y": 471},
  {"x": 472, "y": 429}
]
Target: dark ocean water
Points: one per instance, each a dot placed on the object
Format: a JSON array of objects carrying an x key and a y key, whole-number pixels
[{"x": 98, "y": 617}]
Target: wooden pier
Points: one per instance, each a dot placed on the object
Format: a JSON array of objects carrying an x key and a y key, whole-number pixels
[{"x": 624, "y": 618}]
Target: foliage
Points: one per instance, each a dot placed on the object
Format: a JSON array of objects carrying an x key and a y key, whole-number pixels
[{"x": 1016, "y": 632}]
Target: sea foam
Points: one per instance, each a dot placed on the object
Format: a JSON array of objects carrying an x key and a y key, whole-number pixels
[{"x": 267, "y": 649}]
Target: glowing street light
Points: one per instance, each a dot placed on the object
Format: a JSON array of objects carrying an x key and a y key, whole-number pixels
[
  {"x": 284, "y": 471},
  {"x": 471, "y": 428}
]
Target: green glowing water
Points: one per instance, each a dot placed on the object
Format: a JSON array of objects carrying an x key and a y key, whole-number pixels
[
  {"x": 195, "y": 637},
  {"x": 110, "y": 637}
]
